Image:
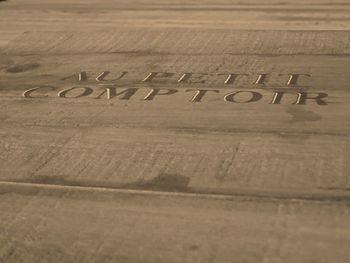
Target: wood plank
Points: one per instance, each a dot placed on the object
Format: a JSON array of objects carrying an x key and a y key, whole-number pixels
[
  {"x": 97, "y": 225},
  {"x": 131, "y": 142},
  {"x": 187, "y": 131}
]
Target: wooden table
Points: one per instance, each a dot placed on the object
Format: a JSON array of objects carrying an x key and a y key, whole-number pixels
[{"x": 186, "y": 131}]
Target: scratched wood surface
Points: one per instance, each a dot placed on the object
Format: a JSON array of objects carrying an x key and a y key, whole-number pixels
[{"x": 159, "y": 173}]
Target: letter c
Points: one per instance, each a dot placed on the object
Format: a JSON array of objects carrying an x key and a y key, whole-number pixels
[{"x": 27, "y": 93}]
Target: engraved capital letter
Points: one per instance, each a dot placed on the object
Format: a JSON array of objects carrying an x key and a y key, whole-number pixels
[
  {"x": 87, "y": 91},
  {"x": 277, "y": 97},
  {"x": 187, "y": 76},
  {"x": 81, "y": 76},
  {"x": 293, "y": 78},
  {"x": 200, "y": 94},
  {"x": 232, "y": 78},
  {"x": 261, "y": 79},
  {"x": 27, "y": 93},
  {"x": 155, "y": 92},
  {"x": 255, "y": 97},
  {"x": 152, "y": 75},
  {"x": 102, "y": 76},
  {"x": 112, "y": 92},
  {"x": 303, "y": 96}
]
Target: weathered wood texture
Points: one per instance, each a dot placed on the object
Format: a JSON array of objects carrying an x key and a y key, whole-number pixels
[
  {"x": 45, "y": 224},
  {"x": 87, "y": 178}
]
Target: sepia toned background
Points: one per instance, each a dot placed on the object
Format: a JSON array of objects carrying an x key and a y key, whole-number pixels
[{"x": 92, "y": 179}]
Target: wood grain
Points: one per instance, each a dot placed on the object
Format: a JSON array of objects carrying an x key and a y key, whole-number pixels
[{"x": 171, "y": 180}]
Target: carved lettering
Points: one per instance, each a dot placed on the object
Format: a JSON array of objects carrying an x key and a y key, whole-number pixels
[
  {"x": 293, "y": 78},
  {"x": 104, "y": 74},
  {"x": 111, "y": 92},
  {"x": 232, "y": 77},
  {"x": 187, "y": 76},
  {"x": 160, "y": 75},
  {"x": 255, "y": 96},
  {"x": 261, "y": 79},
  {"x": 303, "y": 96},
  {"x": 277, "y": 97},
  {"x": 27, "y": 93},
  {"x": 86, "y": 91},
  {"x": 81, "y": 76},
  {"x": 155, "y": 92},
  {"x": 200, "y": 94}
]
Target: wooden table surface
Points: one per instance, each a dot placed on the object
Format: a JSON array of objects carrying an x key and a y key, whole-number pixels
[{"x": 174, "y": 131}]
